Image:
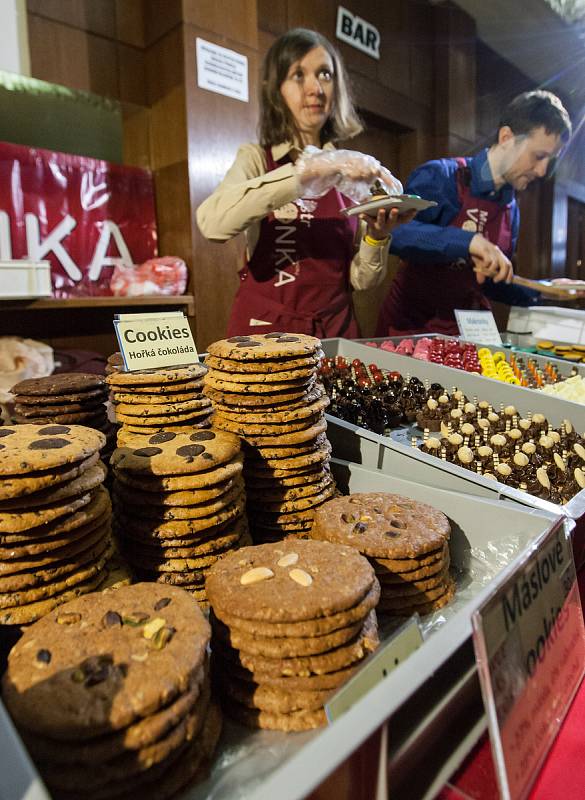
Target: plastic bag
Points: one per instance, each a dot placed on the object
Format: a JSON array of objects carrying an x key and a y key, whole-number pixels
[
  {"x": 349, "y": 171},
  {"x": 21, "y": 359},
  {"x": 165, "y": 275}
]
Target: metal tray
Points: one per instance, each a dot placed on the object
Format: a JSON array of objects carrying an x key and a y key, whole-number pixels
[
  {"x": 388, "y": 453},
  {"x": 435, "y": 690}
]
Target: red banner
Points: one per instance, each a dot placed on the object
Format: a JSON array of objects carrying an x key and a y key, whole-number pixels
[{"x": 81, "y": 214}]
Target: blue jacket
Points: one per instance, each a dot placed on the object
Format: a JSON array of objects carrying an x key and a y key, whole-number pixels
[{"x": 430, "y": 239}]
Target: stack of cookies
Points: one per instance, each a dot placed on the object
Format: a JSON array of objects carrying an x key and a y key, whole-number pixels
[
  {"x": 152, "y": 400},
  {"x": 264, "y": 388},
  {"x": 111, "y": 695},
  {"x": 291, "y": 622},
  {"x": 179, "y": 504},
  {"x": 55, "y": 540},
  {"x": 65, "y": 399},
  {"x": 406, "y": 542}
]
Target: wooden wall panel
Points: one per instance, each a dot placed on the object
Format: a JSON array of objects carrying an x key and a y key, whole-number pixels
[
  {"x": 165, "y": 66},
  {"x": 130, "y": 22},
  {"x": 236, "y": 22},
  {"x": 217, "y": 126},
  {"x": 272, "y": 16},
  {"x": 173, "y": 210},
  {"x": 160, "y": 18},
  {"x": 71, "y": 57},
  {"x": 131, "y": 69},
  {"x": 94, "y": 16},
  {"x": 394, "y": 69},
  {"x": 168, "y": 129}
]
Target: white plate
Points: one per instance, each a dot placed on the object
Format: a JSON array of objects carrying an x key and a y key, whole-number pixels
[{"x": 404, "y": 202}]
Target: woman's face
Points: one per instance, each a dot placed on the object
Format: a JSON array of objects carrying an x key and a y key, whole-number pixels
[{"x": 308, "y": 92}]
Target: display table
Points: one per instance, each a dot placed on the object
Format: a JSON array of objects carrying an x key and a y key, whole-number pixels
[{"x": 562, "y": 776}]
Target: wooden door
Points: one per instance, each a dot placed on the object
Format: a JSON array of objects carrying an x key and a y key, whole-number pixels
[{"x": 575, "y": 239}]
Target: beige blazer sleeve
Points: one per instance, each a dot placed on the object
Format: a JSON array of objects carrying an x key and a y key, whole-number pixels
[{"x": 248, "y": 193}]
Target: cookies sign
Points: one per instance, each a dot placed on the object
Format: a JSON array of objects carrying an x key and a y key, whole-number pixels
[
  {"x": 530, "y": 647},
  {"x": 155, "y": 341}
]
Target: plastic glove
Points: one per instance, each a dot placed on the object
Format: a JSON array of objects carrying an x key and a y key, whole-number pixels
[{"x": 349, "y": 171}]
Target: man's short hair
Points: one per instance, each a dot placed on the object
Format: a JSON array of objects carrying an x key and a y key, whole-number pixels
[{"x": 537, "y": 109}]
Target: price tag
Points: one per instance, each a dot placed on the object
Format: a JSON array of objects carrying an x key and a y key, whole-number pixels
[
  {"x": 155, "y": 340},
  {"x": 478, "y": 326},
  {"x": 529, "y": 642},
  {"x": 405, "y": 641}
]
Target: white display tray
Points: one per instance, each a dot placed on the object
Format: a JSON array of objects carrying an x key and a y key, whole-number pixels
[
  {"x": 548, "y": 322},
  {"x": 564, "y": 367},
  {"x": 433, "y": 692}
]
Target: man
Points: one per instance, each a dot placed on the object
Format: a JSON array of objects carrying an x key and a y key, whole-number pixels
[{"x": 454, "y": 254}]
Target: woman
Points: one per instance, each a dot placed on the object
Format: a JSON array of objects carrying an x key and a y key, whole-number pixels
[{"x": 286, "y": 194}]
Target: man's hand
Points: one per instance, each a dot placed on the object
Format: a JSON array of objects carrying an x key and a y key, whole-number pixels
[{"x": 489, "y": 261}]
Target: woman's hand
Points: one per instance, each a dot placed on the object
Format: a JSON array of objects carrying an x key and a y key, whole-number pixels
[
  {"x": 351, "y": 172},
  {"x": 381, "y": 226}
]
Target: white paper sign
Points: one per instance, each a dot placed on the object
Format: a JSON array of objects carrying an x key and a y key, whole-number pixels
[
  {"x": 155, "y": 340},
  {"x": 478, "y": 326},
  {"x": 358, "y": 33},
  {"x": 222, "y": 71}
]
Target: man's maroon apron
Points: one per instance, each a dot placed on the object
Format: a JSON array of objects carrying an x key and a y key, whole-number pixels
[
  {"x": 298, "y": 277},
  {"x": 422, "y": 297}
]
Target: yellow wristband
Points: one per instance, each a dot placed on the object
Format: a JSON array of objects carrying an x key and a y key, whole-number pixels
[{"x": 375, "y": 242}]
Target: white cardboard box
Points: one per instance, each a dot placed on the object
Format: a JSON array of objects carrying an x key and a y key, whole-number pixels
[{"x": 20, "y": 280}]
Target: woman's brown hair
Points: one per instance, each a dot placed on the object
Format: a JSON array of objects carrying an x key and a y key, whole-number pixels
[{"x": 276, "y": 122}]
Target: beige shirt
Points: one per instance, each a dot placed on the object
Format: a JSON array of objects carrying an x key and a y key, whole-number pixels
[{"x": 248, "y": 193}]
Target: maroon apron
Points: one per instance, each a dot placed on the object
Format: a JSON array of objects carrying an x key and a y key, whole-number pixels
[
  {"x": 298, "y": 277},
  {"x": 422, "y": 297}
]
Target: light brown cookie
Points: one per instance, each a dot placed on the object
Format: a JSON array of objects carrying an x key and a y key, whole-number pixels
[
  {"x": 135, "y": 399},
  {"x": 284, "y": 647},
  {"x": 340, "y": 658},
  {"x": 400, "y": 565},
  {"x": 275, "y": 400},
  {"x": 273, "y": 699},
  {"x": 246, "y": 429},
  {"x": 88, "y": 480},
  {"x": 382, "y": 525},
  {"x": 266, "y": 345},
  {"x": 332, "y": 579},
  {"x": 184, "y": 483},
  {"x": 155, "y": 514},
  {"x": 156, "y": 377},
  {"x": 28, "y": 520},
  {"x": 295, "y": 721},
  {"x": 33, "y": 448},
  {"x": 177, "y": 454},
  {"x": 281, "y": 364},
  {"x": 289, "y": 375},
  {"x": 233, "y": 387},
  {"x": 390, "y": 608},
  {"x": 275, "y": 417},
  {"x": 78, "y": 571},
  {"x": 161, "y": 409},
  {"x": 139, "y": 735},
  {"x": 25, "y": 613},
  {"x": 49, "y": 684},
  {"x": 305, "y": 435},
  {"x": 311, "y": 627},
  {"x": 188, "y": 498}
]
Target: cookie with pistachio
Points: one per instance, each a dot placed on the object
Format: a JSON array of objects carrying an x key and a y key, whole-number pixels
[
  {"x": 382, "y": 525},
  {"x": 105, "y": 660}
]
